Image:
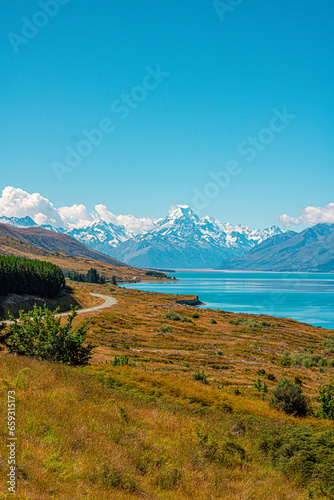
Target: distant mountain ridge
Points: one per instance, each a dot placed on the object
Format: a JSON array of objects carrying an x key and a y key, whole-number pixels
[
  {"x": 312, "y": 250},
  {"x": 55, "y": 242},
  {"x": 180, "y": 240},
  {"x": 183, "y": 240}
]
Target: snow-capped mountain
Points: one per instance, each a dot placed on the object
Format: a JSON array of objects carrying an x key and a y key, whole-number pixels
[
  {"x": 18, "y": 222},
  {"x": 180, "y": 240},
  {"x": 183, "y": 240}
]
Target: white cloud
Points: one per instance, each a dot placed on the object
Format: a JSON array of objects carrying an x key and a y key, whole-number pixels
[
  {"x": 131, "y": 223},
  {"x": 15, "y": 202},
  {"x": 76, "y": 215},
  {"x": 311, "y": 216}
]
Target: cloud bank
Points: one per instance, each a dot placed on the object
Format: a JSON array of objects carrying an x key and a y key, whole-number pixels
[
  {"x": 15, "y": 202},
  {"x": 310, "y": 216}
]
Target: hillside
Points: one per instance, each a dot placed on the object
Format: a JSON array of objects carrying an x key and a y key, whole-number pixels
[
  {"x": 179, "y": 416},
  {"x": 55, "y": 242},
  {"x": 11, "y": 246},
  {"x": 312, "y": 250}
]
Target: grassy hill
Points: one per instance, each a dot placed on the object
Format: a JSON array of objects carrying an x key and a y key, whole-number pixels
[
  {"x": 56, "y": 242},
  {"x": 13, "y": 246},
  {"x": 140, "y": 423}
]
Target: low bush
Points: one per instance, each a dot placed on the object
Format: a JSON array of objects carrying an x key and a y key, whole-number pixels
[
  {"x": 288, "y": 396},
  {"x": 39, "y": 334},
  {"x": 120, "y": 361},
  {"x": 184, "y": 319},
  {"x": 326, "y": 399},
  {"x": 301, "y": 359},
  {"x": 195, "y": 315},
  {"x": 172, "y": 316},
  {"x": 328, "y": 344},
  {"x": 165, "y": 329},
  {"x": 200, "y": 376}
]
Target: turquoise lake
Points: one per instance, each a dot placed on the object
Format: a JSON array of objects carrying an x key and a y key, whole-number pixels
[{"x": 305, "y": 297}]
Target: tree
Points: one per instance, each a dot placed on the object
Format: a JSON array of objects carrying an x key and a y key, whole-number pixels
[{"x": 39, "y": 334}]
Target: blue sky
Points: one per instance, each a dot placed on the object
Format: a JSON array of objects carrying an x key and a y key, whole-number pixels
[{"x": 222, "y": 78}]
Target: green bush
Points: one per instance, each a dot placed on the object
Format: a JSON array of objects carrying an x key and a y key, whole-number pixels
[
  {"x": 184, "y": 319},
  {"x": 200, "y": 376},
  {"x": 213, "y": 321},
  {"x": 285, "y": 361},
  {"x": 326, "y": 399},
  {"x": 195, "y": 315},
  {"x": 120, "y": 361},
  {"x": 165, "y": 329},
  {"x": 39, "y": 334},
  {"x": 288, "y": 396},
  {"x": 328, "y": 344},
  {"x": 303, "y": 452},
  {"x": 172, "y": 316},
  {"x": 303, "y": 359}
]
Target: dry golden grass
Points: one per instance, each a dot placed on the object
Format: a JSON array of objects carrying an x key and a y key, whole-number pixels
[
  {"x": 78, "y": 438},
  {"x": 149, "y": 430},
  {"x": 11, "y": 246}
]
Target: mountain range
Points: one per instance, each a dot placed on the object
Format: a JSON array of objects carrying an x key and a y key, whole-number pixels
[
  {"x": 180, "y": 240},
  {"x": 311, "y": 250}
]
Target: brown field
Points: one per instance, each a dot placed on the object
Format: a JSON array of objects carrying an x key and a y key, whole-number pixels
[{"x": 147, "y": 429}]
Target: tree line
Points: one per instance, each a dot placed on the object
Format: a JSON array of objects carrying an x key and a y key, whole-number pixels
[
  {"x": 92, "y": 276},
  {"x": 26, "y": 276}
]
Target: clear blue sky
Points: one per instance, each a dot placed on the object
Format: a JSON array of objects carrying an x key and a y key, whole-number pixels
[{"x": 225, "y": 78}]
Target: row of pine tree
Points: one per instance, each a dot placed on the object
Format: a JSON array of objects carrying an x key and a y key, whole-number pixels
[{"x": 33, "y": 277}]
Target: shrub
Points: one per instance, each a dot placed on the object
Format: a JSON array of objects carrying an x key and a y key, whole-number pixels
[
  {"x": 120, "y": 361},
  {"x": 39, "y": 334},
  {"x": 326, "y": 399},
  {"x": 328, "y": 344},
  {"x": 213, "y": 321},
  {"x": 271, "y": 376},
  {"x": 195, "y": 315},
  {"x": 288, "y": 396},
  {"x": 184, "y": 319},
  {"x": 172, "y": 316},
  {"x": 285, "y": 361},
  {"x": 200, "y": 376},
  {"x": 165, "y": 329},
  {"x": 305, "y": 452}
]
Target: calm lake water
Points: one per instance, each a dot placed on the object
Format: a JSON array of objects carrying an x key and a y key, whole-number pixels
[{"x": 305, "y": 297}]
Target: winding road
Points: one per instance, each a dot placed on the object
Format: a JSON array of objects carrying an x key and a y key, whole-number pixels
[{"x": 108, "y": 302}]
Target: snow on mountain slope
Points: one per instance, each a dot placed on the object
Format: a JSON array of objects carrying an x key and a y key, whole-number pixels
[
  {"x": 183, "y": 240},
  {"x": 180, "y": 240}
]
